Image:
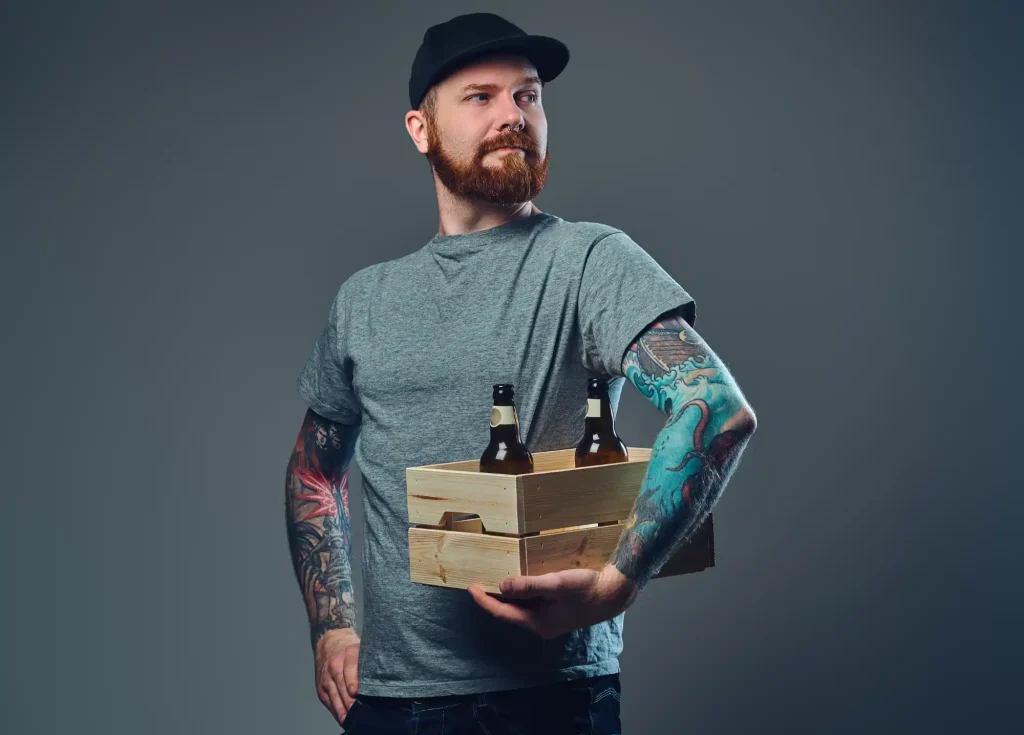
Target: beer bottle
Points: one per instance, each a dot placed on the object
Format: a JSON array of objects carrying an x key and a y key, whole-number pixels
[
  {"x": 600, "y": 444},
  {"x": 506, "y": 453}
]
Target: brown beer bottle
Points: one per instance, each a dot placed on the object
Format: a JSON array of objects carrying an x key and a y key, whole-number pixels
[
  {"x": 505, "y": 454},
  {"x": 600, "y": 444}
]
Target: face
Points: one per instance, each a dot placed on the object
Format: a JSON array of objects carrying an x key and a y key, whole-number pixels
[{"x": 492, "y": 104}]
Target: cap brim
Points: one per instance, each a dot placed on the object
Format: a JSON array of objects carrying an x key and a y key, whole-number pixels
[{"x": 549, "y": 55}]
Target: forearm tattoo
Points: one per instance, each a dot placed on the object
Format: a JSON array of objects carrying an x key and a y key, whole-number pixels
[
  {"x": 318, "y": 520},
  {"x": 709, "y": 424}
]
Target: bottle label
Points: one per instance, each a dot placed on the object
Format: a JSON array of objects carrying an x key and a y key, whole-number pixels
[
  {"x": 593, "y": 408},
  {"x": 501, "y": 415}
]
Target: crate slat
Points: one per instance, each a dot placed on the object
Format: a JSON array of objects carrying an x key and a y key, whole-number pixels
[
  {"x": 456, "y": 559},
  {"x": 588, "y": 548},
  {"x": 579, "y": 496},
  {"x": 696, "y": 555},
  {"x": 432, "y": 492},
  {"x": 558, "y": 459}
]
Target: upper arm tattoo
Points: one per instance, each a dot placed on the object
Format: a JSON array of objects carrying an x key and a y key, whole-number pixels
[
  {"x": 709, "y": 423},
  {"x": 319, "y": 523}
]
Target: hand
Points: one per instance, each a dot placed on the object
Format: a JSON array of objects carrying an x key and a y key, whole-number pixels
[
  {"x": 557, "y": 602},
  {"x": 336, "y": 662}
]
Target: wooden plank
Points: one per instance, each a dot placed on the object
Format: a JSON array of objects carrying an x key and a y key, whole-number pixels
[
  {"x": 430, "y": 493},
  {"x": 696, "y": 555},
  {"x": 565, "y": 459},
  {"x": 572, "y": 528},
  {"x": 558, "y": 459},
  {"x": 587, "y": 548},
  {"x": 593, "y": 547},
  {"x": 639, "y": 454},
  {"x": 469, "y": 465},
  {"x": 555, "y": 459},
  {"x": 455, "y": 559},
  {"x": 579, "y": 496}
]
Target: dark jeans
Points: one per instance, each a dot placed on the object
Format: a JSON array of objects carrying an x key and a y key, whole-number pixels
[{"x": 582, "y": 707}]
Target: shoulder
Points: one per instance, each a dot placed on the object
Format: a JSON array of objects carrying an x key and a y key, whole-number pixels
[
  {"x": 582, "y": 232},
  {"x": 573, "y": 243},
  {"x": 366, "y": 281},
  {"x": 595, "y": 240}
]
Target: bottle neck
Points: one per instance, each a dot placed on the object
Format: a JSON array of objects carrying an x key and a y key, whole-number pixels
[
  {"x": 599, "y": 414},
  {"x": 505, "y": 424}
]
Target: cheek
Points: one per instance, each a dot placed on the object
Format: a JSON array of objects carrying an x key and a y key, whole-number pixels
[
  {"x": 541, "y": 138},
  {"x": 461, "y": 148}
]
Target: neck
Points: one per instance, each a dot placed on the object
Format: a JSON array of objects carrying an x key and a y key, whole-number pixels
[
  {"x": 604, "y": 422},
  {"x": 461, "y": 217}
]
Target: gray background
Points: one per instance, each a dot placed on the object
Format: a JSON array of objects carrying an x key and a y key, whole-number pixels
[{"x": 185, "y": 185}]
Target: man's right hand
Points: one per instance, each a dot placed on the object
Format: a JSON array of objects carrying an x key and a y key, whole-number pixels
[{"x": 337, "y": 661}]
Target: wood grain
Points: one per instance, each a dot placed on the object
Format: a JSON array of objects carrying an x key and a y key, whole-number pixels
[
  {"x": 432, "y": 492},
  {"x": 577, "y": 496},
  {"x": 588, "y": 548},
  {"x": 456, "y": 559}
]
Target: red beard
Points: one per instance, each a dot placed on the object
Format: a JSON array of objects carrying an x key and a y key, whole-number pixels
[{"x": 515, "y": 179}]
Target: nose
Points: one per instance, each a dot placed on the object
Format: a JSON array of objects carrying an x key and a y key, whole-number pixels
[{"x": 511, "y": 114}]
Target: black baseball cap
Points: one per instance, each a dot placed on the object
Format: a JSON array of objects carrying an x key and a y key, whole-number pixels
[{"x": 450, "y": 45}]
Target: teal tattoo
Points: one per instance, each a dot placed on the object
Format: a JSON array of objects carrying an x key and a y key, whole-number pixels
[{"x": 709, "y": 424}]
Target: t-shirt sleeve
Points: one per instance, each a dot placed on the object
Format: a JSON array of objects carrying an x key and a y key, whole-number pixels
[
  {"x": 623, "y": 289},
  {"x": 325, "y": 382}
]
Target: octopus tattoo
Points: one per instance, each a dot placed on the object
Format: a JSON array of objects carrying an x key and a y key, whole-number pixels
[{"x": 708, "y": 425}]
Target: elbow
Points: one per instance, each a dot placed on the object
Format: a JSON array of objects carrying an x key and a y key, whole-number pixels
[
  {"x": 749, "y": 419},
  {"x": 743, "y": 421}
]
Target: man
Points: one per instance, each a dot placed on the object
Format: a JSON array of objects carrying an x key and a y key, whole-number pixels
[{"x": 503, "y": 293}]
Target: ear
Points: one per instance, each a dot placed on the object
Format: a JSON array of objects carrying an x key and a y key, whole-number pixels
[{"x": 416, "y": 126}]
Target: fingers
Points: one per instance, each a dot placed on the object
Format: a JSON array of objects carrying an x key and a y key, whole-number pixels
[
  {"x": 343, "y": 691},
  {"x": 503, "y": 610},
  {"x": 540, "y": 585},
  {"x": 325, "y": 699},
  {"x": 352, "y": 674},
  {"x": 337, "y": 706},
  {"x": 336, "y": 673}
]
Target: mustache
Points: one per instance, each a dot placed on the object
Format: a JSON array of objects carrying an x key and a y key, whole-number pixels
[{"x": 510, "y": 141}]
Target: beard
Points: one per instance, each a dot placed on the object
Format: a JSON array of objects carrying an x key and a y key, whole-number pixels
[{"x": 513, "y": 180}]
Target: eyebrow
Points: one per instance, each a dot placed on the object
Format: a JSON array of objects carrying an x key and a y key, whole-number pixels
[{"x": 488, "y": 87}]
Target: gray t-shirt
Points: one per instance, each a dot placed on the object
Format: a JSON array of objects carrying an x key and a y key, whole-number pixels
[{"x": 411, "y": 350}]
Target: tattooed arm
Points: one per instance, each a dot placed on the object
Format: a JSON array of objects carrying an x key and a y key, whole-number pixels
[
  {"x": 709, "y": 424},
  {"x": 319, "y": 536}
]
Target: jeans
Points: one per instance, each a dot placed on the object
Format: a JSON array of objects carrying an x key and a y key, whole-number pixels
[{"x": 581, "y": 707}]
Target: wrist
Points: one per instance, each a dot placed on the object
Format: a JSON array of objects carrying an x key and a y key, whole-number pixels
[
  {"x": 333, "y": 637},
  {"x": 619, "y": 589}
]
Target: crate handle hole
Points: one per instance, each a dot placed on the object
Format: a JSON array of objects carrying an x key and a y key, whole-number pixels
[{"x": 465, "y": 522}]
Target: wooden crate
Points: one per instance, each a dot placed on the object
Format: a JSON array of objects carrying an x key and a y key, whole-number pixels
[{"x": 472, "y": 527}]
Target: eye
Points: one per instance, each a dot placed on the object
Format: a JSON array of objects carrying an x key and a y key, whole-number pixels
[
  {"x": 532, "y": 94},
  {"x": 478, "y": 94}
]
